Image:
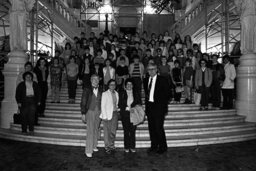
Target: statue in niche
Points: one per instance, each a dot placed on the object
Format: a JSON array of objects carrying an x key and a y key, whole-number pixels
[
  {"x": 18, "y": 23},
  {"x": 247, "y": 11}
]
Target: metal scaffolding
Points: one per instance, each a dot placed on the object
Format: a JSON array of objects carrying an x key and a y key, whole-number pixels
[
  {"x": 223, "y": 23},
  {"x": 40, "y": 23}
]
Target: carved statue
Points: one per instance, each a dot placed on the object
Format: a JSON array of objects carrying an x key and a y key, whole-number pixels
[
  {"x": 18, "y": 23},
  {"x": 247, "y": 11}
]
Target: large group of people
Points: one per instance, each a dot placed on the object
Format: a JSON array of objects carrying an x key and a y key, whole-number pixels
[{"x": 113, "y": 71}]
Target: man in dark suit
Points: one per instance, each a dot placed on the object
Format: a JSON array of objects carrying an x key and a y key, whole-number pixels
[{"x": 157, "y": 96}]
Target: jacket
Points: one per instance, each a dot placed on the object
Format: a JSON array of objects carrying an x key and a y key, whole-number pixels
[
  {"x": 122, "y": 104},
  {"x": 39, "y": 75},
  {"x": 230, "y": 75},
  {"x": 112, "y": 72},
  {"x": 107, "y": 107},
  {"x": 21, "y": 92},
  {"x": 87, "y": 98},
  {"x": 207, "y": 78},
  {"x": 161, "y": 93}
]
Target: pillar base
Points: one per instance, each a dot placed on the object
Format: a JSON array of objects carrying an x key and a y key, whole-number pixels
[
  {"x": 246, "y": 82},
  {"x": 10, "y": 72}
]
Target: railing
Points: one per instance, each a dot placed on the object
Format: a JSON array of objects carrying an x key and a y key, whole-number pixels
[
  {"x": 189, "y": 16},
  {"x": 68, "y": 14}
]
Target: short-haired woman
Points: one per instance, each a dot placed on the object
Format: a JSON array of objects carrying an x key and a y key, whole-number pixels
[
  {"x": 28, "y": 97},
  {"x": 109, "y": 115},
  {"x": 129, "y": 97}
]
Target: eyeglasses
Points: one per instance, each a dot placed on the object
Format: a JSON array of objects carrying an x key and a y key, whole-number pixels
[{"x": 151, "y": 69}]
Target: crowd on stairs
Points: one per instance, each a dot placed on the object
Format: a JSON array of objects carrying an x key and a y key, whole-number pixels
[{"x": 118, "y": 63}]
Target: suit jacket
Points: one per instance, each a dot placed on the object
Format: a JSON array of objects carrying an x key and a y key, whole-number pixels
[
  {"x": 107, "y": 106},
  {"x": 161, "y": 93},
  {"x": 122, "y": 104},
  {"x": 87, "y": 98},
  {"x": 207, "y": 78}
]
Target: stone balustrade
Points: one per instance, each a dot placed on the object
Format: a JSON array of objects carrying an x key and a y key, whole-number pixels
[
  {"x": 189, "y": 17},
  {"x": 68, "y": 14}
]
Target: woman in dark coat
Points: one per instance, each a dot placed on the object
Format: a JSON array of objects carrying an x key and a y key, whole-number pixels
[
  {"x": 128, "y": 98},
  {"x": 42, "y": 72},
  {"x": 28, "y": 97}
]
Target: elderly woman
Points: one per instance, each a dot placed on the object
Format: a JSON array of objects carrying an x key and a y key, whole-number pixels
[
  {"x": 128, "y": 99},
  {"x": 28, "y": 97},
  {"x": 109, "y": 115}
]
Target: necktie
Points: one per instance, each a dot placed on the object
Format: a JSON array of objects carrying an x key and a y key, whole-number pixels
[
  {"x": 150, "y": 84},
  {"x": 149, "y": 88}
]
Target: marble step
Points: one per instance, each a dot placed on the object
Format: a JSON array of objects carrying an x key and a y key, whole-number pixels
[
  {"x": 64, "y": 100},
  {"x": 77, "y": 103},
  {"x": 170, "y": 131},
  {"x": 172, "y": 141},
  {"x": 168, "y": 122},
  {"x": 173, "y": 114},
  {"x": 72, "y": 109}
]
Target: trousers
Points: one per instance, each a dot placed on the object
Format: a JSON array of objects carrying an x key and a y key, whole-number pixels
[
  {"x": 110, "y": 127},
  {"x": 93, "y": 123}
]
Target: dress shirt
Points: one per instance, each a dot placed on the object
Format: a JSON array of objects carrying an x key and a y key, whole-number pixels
[
  {"x": 152, "y": 90},
  {"x": 95, "y": 91}
]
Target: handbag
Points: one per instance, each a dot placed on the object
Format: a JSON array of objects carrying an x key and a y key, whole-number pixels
[
  {"x": 179, "y": 89},
  {"x": 17, "y": 117}
]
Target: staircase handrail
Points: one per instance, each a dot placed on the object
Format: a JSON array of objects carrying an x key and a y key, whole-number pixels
[
  {"x": 67, "y": 13},
  {"x": 192, "y": 13},
  {"x": 187, "y": 14}
]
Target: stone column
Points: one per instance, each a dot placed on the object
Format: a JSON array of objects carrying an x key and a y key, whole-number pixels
[
  {"x": 246, "y": 73},
  {"x": 17, "y": 57}
]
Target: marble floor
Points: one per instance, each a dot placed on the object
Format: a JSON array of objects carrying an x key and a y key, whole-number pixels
[{"x": 23, "y": 156}]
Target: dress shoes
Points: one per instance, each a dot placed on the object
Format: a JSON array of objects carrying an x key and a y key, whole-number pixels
[
  {"x": 151, "y": 150},
  {"x": 161, "y": 151},
  {"x": 89, "y": 155},
  {"x": 126, "y": 150},
  {"x": 96, "y": 150},
  {"x": 133, "y": 150}
]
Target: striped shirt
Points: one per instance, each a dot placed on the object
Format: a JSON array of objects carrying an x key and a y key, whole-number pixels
[{"x": 136, "y": 71}]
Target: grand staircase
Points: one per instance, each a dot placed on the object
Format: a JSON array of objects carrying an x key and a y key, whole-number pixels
[{"x": 185, "y": 125}]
